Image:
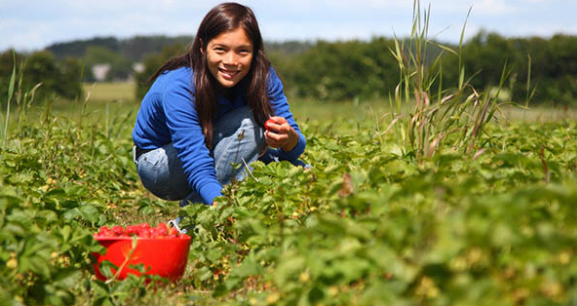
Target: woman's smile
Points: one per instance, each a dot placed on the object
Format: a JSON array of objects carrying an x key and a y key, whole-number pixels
[{"x": 228, "y": 73}]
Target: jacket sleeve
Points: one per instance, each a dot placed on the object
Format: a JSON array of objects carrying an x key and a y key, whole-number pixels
[
  {"x": 188, "y": 140},
  {"x": 280, "y": 107}
]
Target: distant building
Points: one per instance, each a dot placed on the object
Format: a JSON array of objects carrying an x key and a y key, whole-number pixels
[
  {"x": 138, "y": 67},
  {"x": 100, "y": 71}
]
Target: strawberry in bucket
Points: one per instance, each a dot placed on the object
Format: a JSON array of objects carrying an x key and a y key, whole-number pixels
[{"x": 162, "y": 250}]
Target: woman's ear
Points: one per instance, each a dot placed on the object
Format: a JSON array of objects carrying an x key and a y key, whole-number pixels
[{"x": 201, "y": 46}]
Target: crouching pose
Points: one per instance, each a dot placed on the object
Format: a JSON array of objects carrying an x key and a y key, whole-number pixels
[{"x": 206, "y": 110}]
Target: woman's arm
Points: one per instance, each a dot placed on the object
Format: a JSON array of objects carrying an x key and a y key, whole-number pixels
[{"x": 187, "y": 137}]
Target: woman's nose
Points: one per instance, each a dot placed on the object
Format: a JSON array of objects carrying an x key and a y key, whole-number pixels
[{"x": 230, "y": 59}]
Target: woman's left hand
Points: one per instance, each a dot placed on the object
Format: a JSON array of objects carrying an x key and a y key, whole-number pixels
[{"x": 280, "y": 134}]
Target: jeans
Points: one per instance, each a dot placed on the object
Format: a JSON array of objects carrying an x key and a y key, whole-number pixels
[{"x": 237, "y": 139}]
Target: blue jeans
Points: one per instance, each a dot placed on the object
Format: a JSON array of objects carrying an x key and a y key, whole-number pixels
[{"x": 237, "y": 139}]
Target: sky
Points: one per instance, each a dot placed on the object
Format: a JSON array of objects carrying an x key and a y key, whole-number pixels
[{"x": 30, "y": 25}]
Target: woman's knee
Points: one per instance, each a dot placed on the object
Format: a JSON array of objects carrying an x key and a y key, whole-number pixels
[{"x": 162, "y": 174}]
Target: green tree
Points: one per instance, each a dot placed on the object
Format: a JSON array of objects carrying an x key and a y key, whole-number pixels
[
  {"x": 561, "y": 80},
  {"x": 345, "y": 70},
  {"x": 63, "y": 81},
  {"x": 71, "y": 76},
  {"x": 485, "y": 55},
  {"x": 78, "y": 48},
  {"x": 529, "y": 51},
  {"x": 138, "y": 47},
  {"x": 57, "y": 78}
]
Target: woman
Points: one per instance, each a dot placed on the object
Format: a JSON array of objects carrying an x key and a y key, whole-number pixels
[{"x": 204, "y": 114}]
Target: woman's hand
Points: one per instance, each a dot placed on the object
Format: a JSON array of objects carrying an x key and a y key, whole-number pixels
[{"x": 279, "y": 134}]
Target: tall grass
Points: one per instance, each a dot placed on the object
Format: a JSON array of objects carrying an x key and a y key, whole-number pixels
[
  {"x": 440, "y": 115},
  {"x": 23, "y": 99},
  {"x": 4, "y": 121}
]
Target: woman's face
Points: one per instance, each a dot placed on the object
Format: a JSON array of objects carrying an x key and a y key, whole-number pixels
[{"x": 229, "y": 56}]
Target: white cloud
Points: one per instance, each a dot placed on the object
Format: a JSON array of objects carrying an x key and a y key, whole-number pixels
[{"x": 34, "y": 24}]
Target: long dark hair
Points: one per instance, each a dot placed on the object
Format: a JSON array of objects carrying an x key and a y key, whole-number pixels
[{"x": 223, "y": 18}]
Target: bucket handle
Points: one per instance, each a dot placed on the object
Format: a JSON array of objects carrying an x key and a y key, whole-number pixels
[{"x": 174, "y": 224}]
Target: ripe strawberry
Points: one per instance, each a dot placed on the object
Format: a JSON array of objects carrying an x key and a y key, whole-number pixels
[
  {"x": 266, "y": 125},
  {"x": 144, "y": 225},
  {"x": 143, "y": 233},
  {"x": 143, "y": 230},
  {"x": 132, "y": 230},
  {"x": 118, "y": 230},
  {"x": 173, "y": 231},
  {"x": 163, "y": 231},
  {"x": 103, "y": 229},
  {"x": 105, "y": 232}
]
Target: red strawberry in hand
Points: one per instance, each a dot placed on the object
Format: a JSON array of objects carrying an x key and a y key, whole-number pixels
[{"x": 268, "y": 123}]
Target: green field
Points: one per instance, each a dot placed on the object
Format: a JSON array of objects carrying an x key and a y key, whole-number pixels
[
  {"x": 377, "y": 221},
  {"x": 108, "y": 92},
  {"x": 122, "y": 96},
  {"x": 438, "y": 194}
]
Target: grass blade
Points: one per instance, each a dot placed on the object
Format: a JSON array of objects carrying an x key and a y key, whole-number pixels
[{"x": 10, "y": 93}]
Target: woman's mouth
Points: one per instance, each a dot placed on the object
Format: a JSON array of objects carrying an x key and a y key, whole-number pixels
[{"x": 228, "y": 74}]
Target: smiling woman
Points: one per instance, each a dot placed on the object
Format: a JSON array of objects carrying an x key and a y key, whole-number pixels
[
  {"x": 229, "y": 56},
  {"x": 204, "y": 114}
]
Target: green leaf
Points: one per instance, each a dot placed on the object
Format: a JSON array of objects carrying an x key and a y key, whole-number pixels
[
  {"x": 39, "y": 265},
  {"x": 100, "y": 288},
  {"x": 89, "y": 213},
  {"x": 66, "y": 231},
  {"x": 288, "y": 269},
  {"x": 249, "y": 267},
  {"x": 68, "y": 278},
  {"x": 71, "y": 214},
  {"x": 56, "y": 193},
  {"x": 106, "y": 269}
]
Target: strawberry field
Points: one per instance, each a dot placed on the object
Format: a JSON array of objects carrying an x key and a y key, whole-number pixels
[
  {"x": 370, "y": 224},
  {"x": 439, "y": 195}
]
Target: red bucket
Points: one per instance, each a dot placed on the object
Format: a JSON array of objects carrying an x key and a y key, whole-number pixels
[{"x": 160, "y": 256}]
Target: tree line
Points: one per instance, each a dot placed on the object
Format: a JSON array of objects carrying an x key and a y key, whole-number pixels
[
  {"x": 52, "y": 78},
  {"x": 544, "y": 69}
]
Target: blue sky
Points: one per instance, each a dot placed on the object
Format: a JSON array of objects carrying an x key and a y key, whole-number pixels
[{"x": 29, "y": 25}]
